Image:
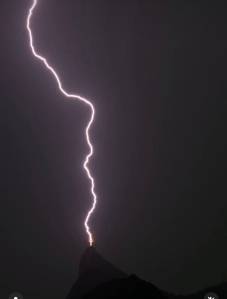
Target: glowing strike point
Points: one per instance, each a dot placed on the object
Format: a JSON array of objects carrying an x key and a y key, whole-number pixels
[{"x": 87, "y": 130}]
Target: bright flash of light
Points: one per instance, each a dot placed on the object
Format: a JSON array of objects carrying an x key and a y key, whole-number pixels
[{"x": 88, "y": 127}]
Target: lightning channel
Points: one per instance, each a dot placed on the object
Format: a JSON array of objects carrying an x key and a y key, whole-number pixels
[{"x": 87, "y": 129}]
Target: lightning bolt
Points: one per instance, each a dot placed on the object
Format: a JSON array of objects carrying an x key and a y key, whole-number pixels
[{"x": 88, "y": 127}]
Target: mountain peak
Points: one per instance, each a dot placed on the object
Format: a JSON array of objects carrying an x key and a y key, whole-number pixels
[
  {"x": 92, "y": 262},
  {"x": 93, "y": 271}
]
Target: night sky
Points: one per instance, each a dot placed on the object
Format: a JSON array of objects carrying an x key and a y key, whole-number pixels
[{"x": 156, "y": 72}]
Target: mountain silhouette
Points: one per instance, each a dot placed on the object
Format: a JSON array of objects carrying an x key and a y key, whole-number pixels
[
  {"x": 94, "y": 270},
  {"x": 99, "y": 279}
]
